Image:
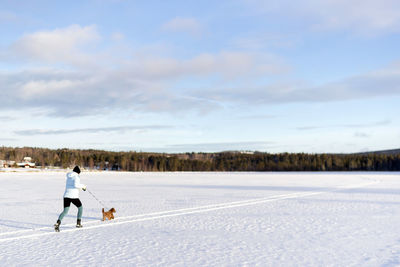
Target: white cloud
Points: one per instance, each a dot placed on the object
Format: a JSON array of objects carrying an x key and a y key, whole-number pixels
[
  {"x": 352, "y": 126},
  {"x": 42, "y": 87},
  {"x": 229, "y": 64},
  {"x": 65, "y": 45},
  {"x": 119, "y": 129},
  {"x": 151, "y": 83},
  {"x": 75, "y": 46},
  {"x": 260, "y": 41},
  {"x": 361, "y": 135},
  {"x": 365, "y": 17},
  {"x": 185, "y": 25},
  {"x": 6, "y": 118},
  {"x": 117, "y": 36},
  {"x": 77, "y": 93},
  {"x": 385, "y": 82}
]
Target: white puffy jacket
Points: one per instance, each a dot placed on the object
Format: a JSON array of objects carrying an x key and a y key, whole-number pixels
[{"x": 73, "y": 185}]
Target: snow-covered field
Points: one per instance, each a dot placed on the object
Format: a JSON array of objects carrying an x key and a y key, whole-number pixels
[{"x": 204, "y": 219}]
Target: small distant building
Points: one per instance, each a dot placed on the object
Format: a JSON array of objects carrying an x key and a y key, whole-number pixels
[
  {"x": 6, "y": 163},
  {"x": 27, "y": 163}
]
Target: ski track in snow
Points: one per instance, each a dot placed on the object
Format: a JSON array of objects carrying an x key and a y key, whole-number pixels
[
  {"x": 171, "y": 213},
  {"x": 204, "y": 219}
]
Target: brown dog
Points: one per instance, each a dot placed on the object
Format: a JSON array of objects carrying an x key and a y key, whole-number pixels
[{"x": 108, "y": 214}]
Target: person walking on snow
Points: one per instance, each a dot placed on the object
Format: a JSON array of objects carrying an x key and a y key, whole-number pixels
[{"x": 71, "y": 194}]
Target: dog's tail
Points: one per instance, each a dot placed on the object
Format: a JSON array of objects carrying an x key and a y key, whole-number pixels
[{"x": 102, "y": 210}]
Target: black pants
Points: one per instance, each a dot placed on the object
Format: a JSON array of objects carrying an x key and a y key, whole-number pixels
[
  {"x": 75, "y": 201},
  {"x": 67, "y": 203}
]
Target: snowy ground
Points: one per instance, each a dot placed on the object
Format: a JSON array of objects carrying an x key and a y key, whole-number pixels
[{"x": 204, "y": 219}]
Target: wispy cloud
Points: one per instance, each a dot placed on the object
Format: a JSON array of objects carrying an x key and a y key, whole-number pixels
[
  {"x": 7, "y": 139},
  {"x": 119, "y": 129},
  {"x": 258, "y": 117},
  {"x": 6, "y": 118},
  {"x": 365, "y": 17},
  {"x": 364, "y": 125},
  {"x": 117, "y": 36},
  {"x": 184, "y": 25},
  {"x": 73, "y": 93},
  {"x": 362, "y": 135},
  {"x": 228, "y": 64},
  {"x": 385, "y": 82},
  {"x": 260, "y": 41},
  {"x": 378, "y": 123}
]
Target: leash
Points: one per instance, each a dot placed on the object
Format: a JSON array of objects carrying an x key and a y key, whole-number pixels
[{"x": 101, "y": 203}]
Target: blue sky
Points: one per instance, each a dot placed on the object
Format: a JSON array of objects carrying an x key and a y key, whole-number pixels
[{"x": 181, "y": 76}]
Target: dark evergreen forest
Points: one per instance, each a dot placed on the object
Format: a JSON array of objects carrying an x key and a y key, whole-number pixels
[{"x": 223, "y": 161}]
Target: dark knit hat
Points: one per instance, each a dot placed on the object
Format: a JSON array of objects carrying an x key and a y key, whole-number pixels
[{"x": 77, "y": 170}]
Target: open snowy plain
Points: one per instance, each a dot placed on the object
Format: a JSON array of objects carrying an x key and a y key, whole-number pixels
[{"x": 204, "y": 219}]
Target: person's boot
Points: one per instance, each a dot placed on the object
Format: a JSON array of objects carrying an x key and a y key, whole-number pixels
[
  {"x": 78, "y": 223},
  {"x": 57, "y": 226}
]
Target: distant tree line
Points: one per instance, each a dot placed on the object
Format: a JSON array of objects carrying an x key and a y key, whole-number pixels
[{"x": 224, "y": 161}]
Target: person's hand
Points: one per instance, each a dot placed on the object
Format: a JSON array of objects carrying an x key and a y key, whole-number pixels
[{"x": 84, "y": 188}]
